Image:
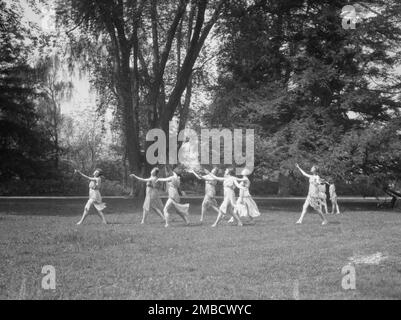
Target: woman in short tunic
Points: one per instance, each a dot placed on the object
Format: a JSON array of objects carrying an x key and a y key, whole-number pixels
[
  {"x": 209, "y": 200},
  {"x": 229, "y": 203},
  {"x": 246, "y": 206},
  {"x": 152, "y": 199},
  {"x": 95, "y": 198},
  {"x": 174, "y": 199},
  {"x": 313, "y": 199}
]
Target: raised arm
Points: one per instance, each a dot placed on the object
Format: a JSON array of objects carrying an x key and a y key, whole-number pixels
[
  {"x": 303, "y": 172},
  {"x": 140, "y": 179},
  {"x": 85, "y": 176}
]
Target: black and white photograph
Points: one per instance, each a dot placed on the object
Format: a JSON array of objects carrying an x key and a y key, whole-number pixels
[{"x": 216, "y": 153}]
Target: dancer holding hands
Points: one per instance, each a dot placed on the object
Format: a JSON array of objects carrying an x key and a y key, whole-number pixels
[
  {"x": 95, "y": 198},
  {"x": 152, "y": 199},
  {"x": 174, "y": 199},
  {"x": 210, "y": 192},
  {"x": 229, "y": 203},
  {"x": 313, "y": 199},
  {"x": 246, "y": 206}
]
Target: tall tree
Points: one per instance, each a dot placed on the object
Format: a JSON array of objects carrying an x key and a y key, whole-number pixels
[
  {"x": 290, "y": 70},
  {"x": 137, "y": 54},
  {"x": 24, "y": 145}
]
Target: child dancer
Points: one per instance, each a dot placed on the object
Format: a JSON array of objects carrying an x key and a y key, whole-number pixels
[
  {"x": 333, "y": 197},
  {"x": 152, "y": 199},
  {"x": 228, "y": 205},
  {"x": 323, "y": 197},
  {"x": 174, "y": 199},
  {"x": 246, "y": 206},
  {"x": 210, "y": 192},
  {"x": 313, "y": 198},
  {"x": 95, "y": 197}
]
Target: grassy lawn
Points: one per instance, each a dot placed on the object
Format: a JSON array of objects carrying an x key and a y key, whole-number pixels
[{"x": 272, "y": 259}]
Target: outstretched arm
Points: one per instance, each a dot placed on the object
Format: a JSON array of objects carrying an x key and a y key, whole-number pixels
[
  {"x": 195, "y": 174},
  {"x": 214, "y": 177},
  {"x": 165, "y": 179},
  {"x": 303, "y": 172},
  {"x": 239, "y": 186},
  {"x": 138, "y": 178},
  {"x": 85, "y": 176}
]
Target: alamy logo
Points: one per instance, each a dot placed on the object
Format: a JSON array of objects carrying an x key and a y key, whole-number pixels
[
  {"x": 349, "y": 17},
  {"x": 203, "y": 149},
  {"x": 49, "y": 280}
]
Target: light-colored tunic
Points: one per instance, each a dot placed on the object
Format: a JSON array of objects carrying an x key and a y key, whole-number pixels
[
  {"x": 314, "y": 199},
  {"x": 210, "y": 193},
  {"x": 246, "y": 206},
  {"x": 174, "y": 196},
  {"x": 152, "y": 200},
  {"x": 322, "y": 191},
  {"x": 332, "y": 191},
  {"x": 94, "y": 194},
  {"x": 229, "y": 201}
]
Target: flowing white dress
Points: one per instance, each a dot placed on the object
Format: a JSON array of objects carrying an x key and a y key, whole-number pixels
[
  {"x": 95, "y": 197},
  {"x": 174, "y": 198},
  {"x": 246, "y": 206},
  {"x": 314, "y": 198},
  {"x": 152, "y": 200},
  {"x": 210, "y": 194},
  {"x": 229, "y": 202}
]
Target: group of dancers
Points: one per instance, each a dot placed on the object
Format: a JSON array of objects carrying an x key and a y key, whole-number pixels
[{"x": 243, "y": 207}]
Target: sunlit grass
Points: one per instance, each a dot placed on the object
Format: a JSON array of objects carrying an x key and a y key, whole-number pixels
[{"x": 124, "y": 260}]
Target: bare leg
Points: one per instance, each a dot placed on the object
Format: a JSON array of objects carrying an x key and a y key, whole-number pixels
[
  {"x": 166, "y": 213},
  {"x": 86, "y": 212},
  {"x": 324, "y": 220},
  {"x": 304, "y": 210},
  {"x": 158, "y": 211},
  {"x": 219, "y": 216},
  {"x": 101, "y": 214},
  {"x": 145, "y": 213},
  {"x": 204, "y": 208},
  {"x": 338, "y": 208},
  {"x": 236, "y": 217},
  {"x": 183, "y": 216},
  {"x": 333, "y": 207},
  {"x": 325, "y": 207}
]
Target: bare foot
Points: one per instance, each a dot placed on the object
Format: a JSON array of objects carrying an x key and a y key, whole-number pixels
[
  {"x": 214, "y": 226},
  {"x": 142, "y": 222},
  {"x": 79, "y": 223},
  {"x": 324, "y": 223},
  {"x": 299, "y": 222},
  {"x": 166, "y": 226}
]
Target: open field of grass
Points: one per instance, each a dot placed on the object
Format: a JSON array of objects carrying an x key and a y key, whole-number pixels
[{"x": 271, "y": 259}]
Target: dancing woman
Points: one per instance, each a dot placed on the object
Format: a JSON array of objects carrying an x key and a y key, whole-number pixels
[
  {"x": 246, "y": 206},
  {"x": 229, "y": 203},
  {"x": 152, "y": 199},
  {"x": 95, "y": 197},
  {"x": 313, "y": 199},
  {"x": 174, "y": 199},
  {"x": 210, "y": 192}
]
